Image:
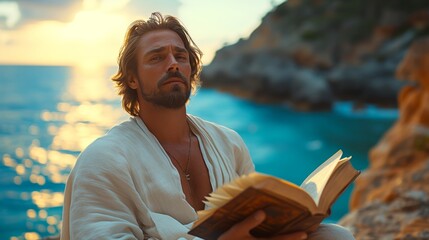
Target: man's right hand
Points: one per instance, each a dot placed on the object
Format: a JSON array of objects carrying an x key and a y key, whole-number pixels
[{"x": 242, "y": 229}]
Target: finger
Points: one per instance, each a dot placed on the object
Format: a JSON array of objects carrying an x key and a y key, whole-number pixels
[
  {"x": 250, "y": 222},
  {"x": 241, "y": 230}
]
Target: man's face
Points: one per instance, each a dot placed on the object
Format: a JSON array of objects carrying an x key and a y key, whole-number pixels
[{"x": 163, "y": 70}]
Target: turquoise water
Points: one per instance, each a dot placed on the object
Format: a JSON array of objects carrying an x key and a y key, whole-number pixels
[{"x": 49, "y": 114}]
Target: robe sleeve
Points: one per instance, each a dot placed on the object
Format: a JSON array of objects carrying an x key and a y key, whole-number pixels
[
  {"x": 244, "y": 163},
  {"x": 102, "y": 198}
]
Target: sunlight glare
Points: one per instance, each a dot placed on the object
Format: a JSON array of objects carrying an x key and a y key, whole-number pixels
[
  {"x": 90, "y": 82},
  {"x": 31, "y": 236},
  {"x": 110, "y": 5},
  {"x": 89, "y": 4},
  {"x": 39, "y": 154},
  {"x": 8, "y": 161},
  {"x": 46, "y": 199},
  {"x": 31, "y": 213},
  {"x": 60, "y": 160},
  {"x": 51, "y": 220},
  {"x": 90, "y": 26},
  {"x": 20, "y": 169},
  {"x": 85, "y": 121},
  {"x": 75, "y": 137},
  {"x": 43, "y": 214}
]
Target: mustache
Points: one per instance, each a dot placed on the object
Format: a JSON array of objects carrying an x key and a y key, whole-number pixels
[{"x": 171, "y": 74}]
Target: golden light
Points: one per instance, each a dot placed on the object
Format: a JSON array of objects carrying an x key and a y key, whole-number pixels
[
  {"x": 39, "y": 154},
  {"x": 40, "y": 180},
  {"x": 31, "y": 236},
  {"x": 51, "y": 220},
  {"x": 46, "y": 199},
  {"x": 31, "y": 213},
  {"x": 20, "y": 169},
  {"x": 91, "y": 26},
  {"x": 87, "y": 120},
  {"x": 8, "y": 161},
  {"x": 90, "y": 81},
  {"x": 75, "y": 137},
  {"x": 43, "y": 214},
  {"x": 33, "y": 178},
  {"x": 94, "y": 36},
  {"x": 59, "y": 160}
]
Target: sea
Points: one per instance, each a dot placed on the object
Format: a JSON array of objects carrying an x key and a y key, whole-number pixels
[{"x": 48, "y": 114}]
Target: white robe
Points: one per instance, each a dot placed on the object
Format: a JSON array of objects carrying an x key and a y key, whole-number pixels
[{"x": 124, "y": 185}]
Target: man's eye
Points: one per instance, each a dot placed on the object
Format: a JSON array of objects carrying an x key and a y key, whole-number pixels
[
  {"x": 182, "y": 57},
  {"x": 155, "y": 58}
]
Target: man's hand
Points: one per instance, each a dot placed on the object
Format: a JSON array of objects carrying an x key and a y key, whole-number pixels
[{"x": 242, "y": 229}]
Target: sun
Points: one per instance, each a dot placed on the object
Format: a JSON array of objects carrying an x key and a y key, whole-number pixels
[{"x": 94, "y": 26}]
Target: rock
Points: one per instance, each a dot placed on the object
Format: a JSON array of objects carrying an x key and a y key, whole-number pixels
[
  {"x": 268, "y": 76},
  {"x": 391, "y": 198},
  {"x": 353, "y": 47},
  {"x": 370, "y": 82},
  {"x": 310, "y": 91}
]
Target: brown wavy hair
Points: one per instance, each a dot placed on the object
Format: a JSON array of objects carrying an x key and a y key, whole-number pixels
[{"x": 127, "y": 61}]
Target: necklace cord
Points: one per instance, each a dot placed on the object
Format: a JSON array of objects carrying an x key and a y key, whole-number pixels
[{"x": 185, "y": 171}]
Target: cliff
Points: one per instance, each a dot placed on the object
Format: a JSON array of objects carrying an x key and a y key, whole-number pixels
[
  {"x": 391, "y": 198},
  {"x": 310, "y": 53}
]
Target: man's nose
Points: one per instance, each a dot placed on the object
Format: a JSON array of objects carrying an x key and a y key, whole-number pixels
[{"x": 173, "y": 64}]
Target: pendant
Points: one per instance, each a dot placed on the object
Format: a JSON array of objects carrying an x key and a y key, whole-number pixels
[{"x": 188, "y": 177}]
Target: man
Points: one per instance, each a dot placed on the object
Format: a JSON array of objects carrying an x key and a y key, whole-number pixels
[{"x": 147, "y": 177}]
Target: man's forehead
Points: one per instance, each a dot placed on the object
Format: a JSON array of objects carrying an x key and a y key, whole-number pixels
[{"x": 161, "y": 39}]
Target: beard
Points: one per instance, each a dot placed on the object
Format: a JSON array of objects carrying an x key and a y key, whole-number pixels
[{"x": 174, "y": 97}]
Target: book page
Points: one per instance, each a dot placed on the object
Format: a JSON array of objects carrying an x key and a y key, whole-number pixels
[
  {"x": 316, "y": 181},
  {"x": 280, "y": 187},
  {"x": 343, "y": 175},
  {"x": 228, "y": 191},
  {"x": 282, "y": 215}
]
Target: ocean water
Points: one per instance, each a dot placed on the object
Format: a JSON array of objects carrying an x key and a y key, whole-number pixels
[{"x": 49, "y": 114}]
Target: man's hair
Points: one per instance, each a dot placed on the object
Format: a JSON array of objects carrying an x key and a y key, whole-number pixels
[{"x": 127, "y": 61}]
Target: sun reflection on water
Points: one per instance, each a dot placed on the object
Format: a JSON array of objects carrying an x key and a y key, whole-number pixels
[
  {"x": 46, "y": 199},
  {"x": 89, "y": 107},
  {"x": 91, "y": 82}
]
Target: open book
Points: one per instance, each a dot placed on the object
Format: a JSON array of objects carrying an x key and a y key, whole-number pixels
[{"x": 288, "y": 207}]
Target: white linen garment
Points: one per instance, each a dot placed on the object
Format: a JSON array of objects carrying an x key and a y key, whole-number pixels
[{"x": 124, "y": 185}]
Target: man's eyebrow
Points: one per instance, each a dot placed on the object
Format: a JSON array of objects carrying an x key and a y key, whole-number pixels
[
  {"x": 161, "y": 49},
  {"x": 180, "y": 50},
  {"x": 155, "y": 50}
]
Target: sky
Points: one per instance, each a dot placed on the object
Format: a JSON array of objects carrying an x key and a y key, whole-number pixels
[{"x": 85, "y": 32}]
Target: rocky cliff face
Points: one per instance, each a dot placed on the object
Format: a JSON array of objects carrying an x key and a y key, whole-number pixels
[
  {"x": 391, "y": 198},
  {"x": 309, "y": 53}
]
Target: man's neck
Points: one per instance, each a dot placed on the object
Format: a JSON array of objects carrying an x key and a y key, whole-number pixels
[{"x": 168, "y": 125}]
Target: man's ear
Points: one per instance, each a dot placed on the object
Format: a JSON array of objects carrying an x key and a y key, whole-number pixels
[{"x": 132, "y": 82}]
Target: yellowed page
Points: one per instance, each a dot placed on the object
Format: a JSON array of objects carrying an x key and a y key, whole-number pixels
[
  {"x": 316, "y": 181},
  {"x": 228, "y": 191}
]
